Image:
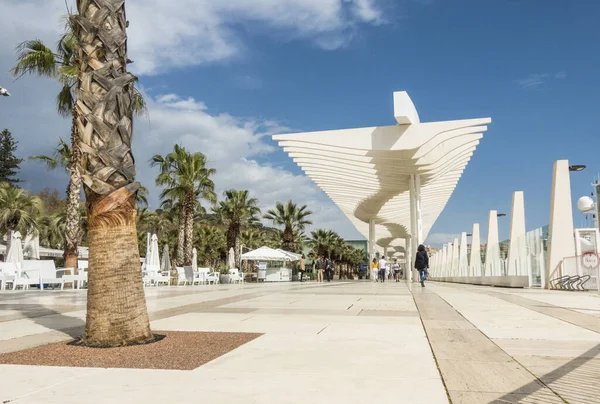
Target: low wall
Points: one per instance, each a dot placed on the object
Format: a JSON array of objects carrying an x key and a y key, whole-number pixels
[{"x": 503, "y": 281}]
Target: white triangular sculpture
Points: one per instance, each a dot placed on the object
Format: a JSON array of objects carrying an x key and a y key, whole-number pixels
[
  {"x": 492, "y": 250},
  {"x": 560, "y": 231},
  {"x": 455, "y": 258},
  {"x": 517, "y": 251},
  {"x": 463, "y": 263},
  {"x": 475, "y": 259}
]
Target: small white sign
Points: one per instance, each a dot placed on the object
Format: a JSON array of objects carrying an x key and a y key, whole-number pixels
[
  {"x": 590, "y": 261},
  {"x": 262, "y": 266}
]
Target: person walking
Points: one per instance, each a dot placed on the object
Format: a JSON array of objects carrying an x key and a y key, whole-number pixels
[
  {"x": 320, "y": 269},
  {"x": 422, "y": 263},
  {"x": 328, "y": 269},
  {"x": 374, "y": 270},
  {"x": 382, "y": 269},
  {"x": 302, "y": 267},
  {"x": 396, "y": 269}
]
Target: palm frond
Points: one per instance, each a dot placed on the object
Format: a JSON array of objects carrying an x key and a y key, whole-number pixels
[{"x": 33, "y": 57}]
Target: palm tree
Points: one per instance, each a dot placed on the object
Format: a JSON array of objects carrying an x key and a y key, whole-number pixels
[
  {"x": 322, "y": 241},
  {"x": 18, "y": 209},
  {"x": 237, "y": 211},
  {"x": 211, "y": 245},
  {"x": 292, "y": 218},
  {"x": 34, "y": 57},
  {"x": 186, "y": 179},
  {"x": 62, "y": 157},
  {"x": 116, "y": 306}
]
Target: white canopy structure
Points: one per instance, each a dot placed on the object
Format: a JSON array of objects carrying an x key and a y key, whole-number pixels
[
  {"x": 392, "y": 182},
  {"x": 266, "y": 254},
  {"x": 291, "y": 255}
]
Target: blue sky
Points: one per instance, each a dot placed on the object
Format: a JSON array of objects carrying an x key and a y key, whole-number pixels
[{"x": 532, "y": 66}]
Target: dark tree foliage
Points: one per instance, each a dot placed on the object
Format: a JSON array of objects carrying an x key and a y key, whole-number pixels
[{"x": 9, "y": 163}]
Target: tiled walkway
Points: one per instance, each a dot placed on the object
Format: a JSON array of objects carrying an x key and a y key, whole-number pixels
[{"x": 353, "y": 342}]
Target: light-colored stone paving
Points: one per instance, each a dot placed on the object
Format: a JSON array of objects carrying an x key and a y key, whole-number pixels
[{"x": 352, "y": 342}]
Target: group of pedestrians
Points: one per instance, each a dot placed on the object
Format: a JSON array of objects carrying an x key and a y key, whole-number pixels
[
  {"x": 324, "y": 267},
  {"x": 380, "y": 270}
]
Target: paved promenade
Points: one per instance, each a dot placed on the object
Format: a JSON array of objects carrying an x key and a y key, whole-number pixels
[{"x": 344, "y": 342}]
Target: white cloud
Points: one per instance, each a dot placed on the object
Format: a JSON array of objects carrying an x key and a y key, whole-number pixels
[
  {"x": 165, "y": 35},
  {"x": 537, "y": 80},
  {"x": 232, "y": 146}
]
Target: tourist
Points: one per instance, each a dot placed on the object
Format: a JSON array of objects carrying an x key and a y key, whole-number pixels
[
  {"x": 301, "y": 267},
  {"x": 382, "y": 269},
  {"x": 422, "y": 264},
  {"x": 320, "y": 268},
  {"x": 396, "y": 269},
  {"x": 374, "y": 270},
  {"x": 328, "y": 269}
]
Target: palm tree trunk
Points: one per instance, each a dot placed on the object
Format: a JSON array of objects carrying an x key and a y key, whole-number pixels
[
  {"x": 181, "y": 236},
  {"x": 189, "y": 228},
  {"x": 288, "y": 239},
  {"x": 72, "y": 232},
  {"x": 116, "y": 306}
]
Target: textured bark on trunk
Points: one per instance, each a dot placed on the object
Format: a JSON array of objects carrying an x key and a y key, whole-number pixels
[
  {"x": 288, "y": 240},
  {"x": 116, "y": 306},
  {"x": 72, "y": 227},
  {"x": 189, "y": 228},
  {"x": 181, "y": 236}
]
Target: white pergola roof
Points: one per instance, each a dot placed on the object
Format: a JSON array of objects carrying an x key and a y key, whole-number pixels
[{"x": 366, "y": 171}]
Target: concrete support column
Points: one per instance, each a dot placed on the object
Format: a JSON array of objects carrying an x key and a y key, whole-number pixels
[
  {"x": 408, "y": 272},
  {"x": 371, "y": 241},
  {"x": 517, "y": 251},
  {"x": 560, "y": 233},
  {"x": 416, "y": 219},
  {"x": 492, "y": 250},
  {"x": 475, "y": 261}
]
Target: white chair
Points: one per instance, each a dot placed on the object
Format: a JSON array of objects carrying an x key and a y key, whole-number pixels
[
  {"x": 203, "y": 275},
  {"x": 150, "y": 274},
  {"x": 45, "y": 271},
  {"x": 181, "y": 278},
  {"x": 235, "y": 276},
  {"x": 80, "y": 275},
  {"x": 190, "y": 275},
  {"x": 8, "y": 273},
  {"x": 213, "y": 278},
  {"x": 163, "y": 278}
]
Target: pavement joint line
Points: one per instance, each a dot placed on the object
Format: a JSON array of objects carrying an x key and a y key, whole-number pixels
[
  {"x": 541, "y": 382},
  {"x": 537, "y": 306},
  {"x": 437, "y": 364},
  {"x": 323, "y": 329}
]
